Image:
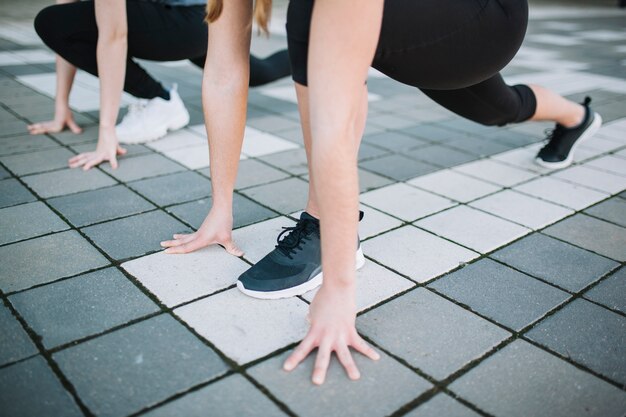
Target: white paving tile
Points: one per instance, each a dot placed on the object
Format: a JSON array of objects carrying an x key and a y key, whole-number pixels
[
  {"x": 601, "y": 144},
  {"x": 257, "y": 143},
  {"x": 20, "y": 32},
  {"x": 561, "y": 192},
  {"x": 495, "y": 172},
  {"x": 602, "y": 35},
  {"x": 472, "y": 228},
  {"x": 593, "y": 178},
  {"x": 453, "y": 185},
  {"x": 176, "y": 279},
  {"x": 199, "y": 129},
  {"x": 610, "y": 164},
  {"x": 560, "y": 40},
  {"x": 177, "y": 140},
  {"x": 34, "y": 56},
  {"x": 373, "y": 285},
  {"x": 522, "y": 158},
  {"x": 621, "y": 154},
  {"x": 521, "y": 209},
  {"x": 615, "y": 131},
  {"x": 258, "y": 239},
  {"x": 374, "y": 222},
  {"x": 405, "y": 202},
  {"x": 246, "y": 328},
  {"x": 416, "y": 253},
  {"x": 584, "y": 154}
]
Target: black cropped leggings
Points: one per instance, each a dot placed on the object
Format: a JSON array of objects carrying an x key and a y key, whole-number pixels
[
  {"x": 452, "y": 50},
  {"x": 156, "y": 32}
]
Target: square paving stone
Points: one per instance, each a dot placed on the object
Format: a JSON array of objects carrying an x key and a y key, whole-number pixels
[
  {"x": 593, "y": 234},
  {"x": 246, "y": 328},
  {"x": 495, "y": 172},
  {"x": 28, "y": 220},
  {"x": 500, "y": 293},
  {"x": 143, "y": 166},
  {"x": 370, "y": 181},
  {"x": 375, "y": 222},
  {"x": 293, "y": 161},
  {"x": 367, "y": 151},
  {"x": 557, "y": 262},
  {"x": 138, "y": 366},
  {"x": 519, "y": 208},
  {"x": 441, "y": 156},
  {"x": 82, "y": 306},
  {"x": 417, "y": 254},
  {"x": 286, "y": 196},
  {"x": 4, "y": 173},
  {"x": 26, "y": 143},
  {"x": 453, "y": 185},
  {"x": 593, "y": 178},
  {"x": 176, "y": 279},
  {"x": 405, "y": 202},
  {"x": 12, "y": 192},
  {"x": 588, "y": 334},
  {"x": 478, "y": 146},
  {"x": 67, "y": 181},
  {"x": 522, "y": 380},
  {"x": 398, "y": 167},
  {"x": 175, "y": 188},
  {"x": 33, "y": 162},
  {"x": 394, "y": 141},
  {"x": 95, "y": 206},
  {"x": 233, "y": 396},
  {"x": 613, "y": 210},
  {"x": 14, "y": 342},
  {"x": 609, "y": 163},
  {"x": 384, "y": 387},
  {"x": 610, "y": 292},
  {"x": 245, "y": 211},
  {"x": 430, "y": 333},
  {"x": 442, "y": 405},
  {"x": 252, "y": 173},
  {"x": 136, "y": 235},
  {"x": 30, "y": 388},
  {"x": 46, "y": 259},
  {"x": 561, "y": 192},
  {"x": 432, "y": 132},
  {"x": 472, "y": 228}
]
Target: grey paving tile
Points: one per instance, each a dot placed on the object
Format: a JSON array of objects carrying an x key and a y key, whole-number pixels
[
  {"x": 175, "y": 188},
  {"x": 4, "y": 173},
  {"x": 592, "y": 234},
  {"x": 367, "y": 151},
  {"x": 134, "y": 236},
  {"x": 143, "y": 166},
  {"x": 589, "y": 334},
  {"x": 272, "y": 123},
  {"x": 40, "y": 161},
  {"x": 45, "y": 259},
  {"x": 131, "y": 150},
  {"x": 12, "y": 192},
  {"x": 432, "y": 132},
  {"x": 511, "y": 138},
  {"x": 25, "y": 143},
  {"x": 522, "y": 380},
  {"x": 286, "y": 196},
  {"x": 95, "y": 206},
  {"x": 394, "y": 141},
  {"x": 557, "y": 262},
  {"x": 478, "y": 146},
  {"x": 441, "y": 156},
  {"x": 89, "y": 134},
  {"x": 293, "y": 135},
  {"x": 611, "y": 291},
  {"x": 233, "y": 396},
  {"x": 370, "y": 181},
  {"x": 14, "y": 342},
  {"x": 67, "y": 181},
  {"x": 385, "y": 386},
  {"x": 430, "y": 332},
  {"x": 293, "y": 161},
  {"x": 613, "y": 210},
  {"x": 30, "y": 388},
  {"x": 500, "y": 293},
  {"x": 245, "y": 211},
  {"x": 82, "y": 306},
  {"x": 28, "y": 220},
  {"x": 398, "y": 167},
  {"x": 252, "y": 173},
  {"x": 442, "y": 405},
  {"x": 138, "y": 366}
]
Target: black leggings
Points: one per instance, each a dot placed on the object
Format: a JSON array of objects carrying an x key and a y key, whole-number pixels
[
  {"x": 452, "y": 50},
  {"x": 156, "y": 32}
]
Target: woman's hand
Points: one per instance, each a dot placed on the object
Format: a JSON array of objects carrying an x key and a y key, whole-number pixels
[
  {"x": 107, "y": 150},
  {"x": 62, "y": 117},
  {"x": 332, "y": 315},
  {"x": 215, "y": 229}
]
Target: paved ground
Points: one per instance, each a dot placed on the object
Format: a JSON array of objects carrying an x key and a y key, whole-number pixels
[{"x": 492, "y": 287}]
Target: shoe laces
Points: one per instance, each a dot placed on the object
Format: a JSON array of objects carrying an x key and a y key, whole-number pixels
[
  {"x": 295, "y": 237},
  {"x": 552, "y": 137}
]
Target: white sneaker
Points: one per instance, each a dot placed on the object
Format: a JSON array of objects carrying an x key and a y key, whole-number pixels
[{"x": 149, "y": 120}]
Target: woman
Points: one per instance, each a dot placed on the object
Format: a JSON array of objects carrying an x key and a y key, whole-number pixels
[
  {"x": 452, "y": 50},
  {"x": 104, "y": 38}
]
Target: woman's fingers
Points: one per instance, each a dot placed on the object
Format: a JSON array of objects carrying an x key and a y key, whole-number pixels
[
  {"x": 74, "y": 127},
  {"x": 112, "y": 161},
  {"x": 345, "y": 358},
  {"x": 363, "y": 347},
  {"x": 300, "y": 353},
  {"x": 232, "y": 248},
  {"x": 79, "y": 160},
  {"x": 321, "y": 364},
  {"x": 188, "y": 247}
]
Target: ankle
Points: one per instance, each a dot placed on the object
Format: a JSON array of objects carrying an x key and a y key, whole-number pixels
[{"x": 575, "y": 117}]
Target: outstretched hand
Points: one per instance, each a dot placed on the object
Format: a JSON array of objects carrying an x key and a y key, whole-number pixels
[
  {"x": 332, "y": 318},
  {"x": 215, "y": 229},
  {"x": 62, "y": 118},
  {"x": 107, "y": 150}
]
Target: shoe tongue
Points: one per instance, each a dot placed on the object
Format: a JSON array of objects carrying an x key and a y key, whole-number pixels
[{"x": 307, "y": 216}]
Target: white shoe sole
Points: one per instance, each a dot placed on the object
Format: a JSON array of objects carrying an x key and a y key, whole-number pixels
[
  {"x": 311, "y": 284},
  {"x": 591, "y": 130},
  {"x": 176, "y": 124}
]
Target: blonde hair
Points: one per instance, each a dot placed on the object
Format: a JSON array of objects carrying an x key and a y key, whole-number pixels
[{"x": 262, "y": 12}]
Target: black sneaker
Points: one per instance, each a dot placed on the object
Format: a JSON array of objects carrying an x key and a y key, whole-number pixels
[
  {"x": 562, "y": 141},
  {"x": 294, "y": 267}
]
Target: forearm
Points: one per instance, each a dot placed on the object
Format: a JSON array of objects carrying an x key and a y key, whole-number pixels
[
  {"x": 111, "y": 56},
  {"x": 65, "y": 78}
]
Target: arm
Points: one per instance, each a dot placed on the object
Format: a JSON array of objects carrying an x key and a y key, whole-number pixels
[
  {"x": 111, "y": 56},
  {"x": 343, "y": 38},
  {"x": 62, "y": 114},
  {"x": 224, "y": 98}
]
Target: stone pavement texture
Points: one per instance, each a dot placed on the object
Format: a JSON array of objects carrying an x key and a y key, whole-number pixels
[{"x": 493, "y": 287}]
